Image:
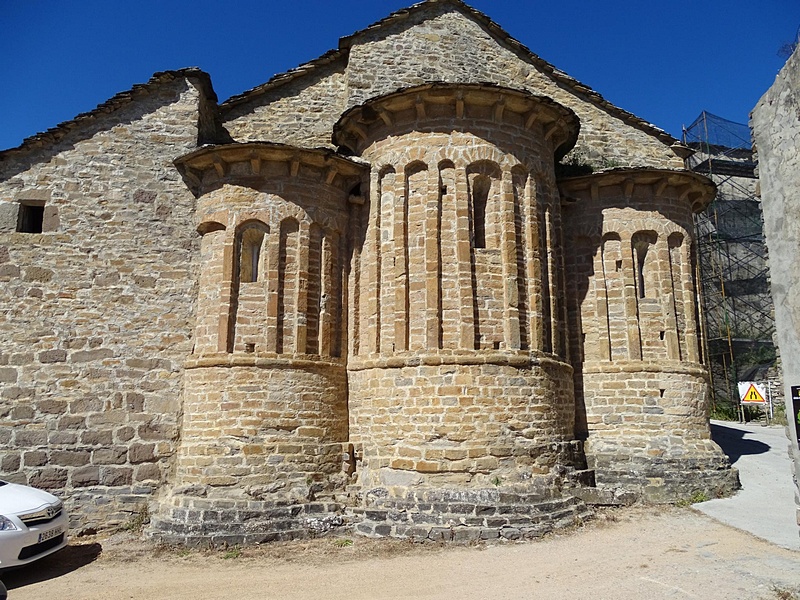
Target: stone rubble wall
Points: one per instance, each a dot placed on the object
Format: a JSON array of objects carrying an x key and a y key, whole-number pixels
[
  {"x": 439, "y": 44},
  {"x": 301, "y": 112},
  {"x": 448, "y": 46},
  {"x": 440, "y": 269},
  {"x": 775, "y": 122},
  {"x": 99, "y": 309}
]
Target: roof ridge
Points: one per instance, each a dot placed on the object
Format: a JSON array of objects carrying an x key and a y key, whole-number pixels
[
  {"x": 560, "y": 77},
  {"x": 55, "y": 134}
]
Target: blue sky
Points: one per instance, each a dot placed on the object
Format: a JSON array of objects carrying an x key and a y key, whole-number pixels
[{"x": 664, "y": 61}]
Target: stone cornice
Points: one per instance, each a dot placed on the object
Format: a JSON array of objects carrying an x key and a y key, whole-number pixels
[
  {"x": 512, "y": 358},
  {"x": 212, "y": 166},
  {"x": 697, "y": 190},
  {"x": 263, "y": 360},
  {"x": 638, "y": 366},
  {"x": 470, "y": 103}
]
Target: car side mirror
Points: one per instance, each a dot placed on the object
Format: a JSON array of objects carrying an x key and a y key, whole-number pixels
[{"x": 3, "y": 591}]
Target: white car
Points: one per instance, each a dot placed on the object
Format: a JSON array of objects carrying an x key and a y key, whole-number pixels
[{"x": 33, "y": 524}]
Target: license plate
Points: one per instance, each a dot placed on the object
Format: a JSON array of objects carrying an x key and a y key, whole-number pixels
[{"x": 49, "y": 535}]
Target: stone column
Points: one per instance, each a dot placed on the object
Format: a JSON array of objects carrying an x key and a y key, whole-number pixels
[
  {"x": 388, "y": 257},
  {"x": 508, "y": 249},
  {"x": 400, "y": 271},
  {"x": 370, "y": 283},
  {"x": 629, "y": 298},
  {"x": 432, "y": 262},
  {"x": 273, "y": 264},
  {"x": 226, "y": 307},
  {"x": 327, "y": 292},
  {"x": 534, "y": 264},
  {"x": 463, "y": 256}
]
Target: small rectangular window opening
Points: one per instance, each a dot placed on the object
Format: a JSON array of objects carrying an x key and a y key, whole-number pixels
[{"x": 31, "y": 218}]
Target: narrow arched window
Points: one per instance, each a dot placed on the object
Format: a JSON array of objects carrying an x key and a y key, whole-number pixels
[
  {"x": 481, "y": 186},
  {"x": 644, "y": 262},
  {"x": 251, "y": 243}
]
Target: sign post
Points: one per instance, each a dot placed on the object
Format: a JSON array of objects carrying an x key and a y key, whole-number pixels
[
  {"x": 795, "y": 410},
  {"x": 754, "y": 393}
]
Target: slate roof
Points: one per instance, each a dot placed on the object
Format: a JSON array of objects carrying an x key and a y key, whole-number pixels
[
  {"x": 579, "y": 89},
  {"x": 55, "y": 134}
]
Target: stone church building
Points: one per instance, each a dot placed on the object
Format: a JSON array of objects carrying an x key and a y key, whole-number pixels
[{"x": 426, "y": 285}]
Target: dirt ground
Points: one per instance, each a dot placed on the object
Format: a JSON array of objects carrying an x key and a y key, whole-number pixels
[{"x": 631, "y": 553}]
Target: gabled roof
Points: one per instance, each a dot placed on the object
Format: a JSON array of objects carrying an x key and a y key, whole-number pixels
[
  {"x": 576, "y": 87},
  {"x": 55, "y": 134}
]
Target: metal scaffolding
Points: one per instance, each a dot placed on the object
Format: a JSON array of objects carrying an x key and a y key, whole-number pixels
[{"x": 732, "y": 265}]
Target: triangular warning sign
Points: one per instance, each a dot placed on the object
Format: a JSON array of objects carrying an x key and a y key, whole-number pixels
[{"x": 753, "y": 396}]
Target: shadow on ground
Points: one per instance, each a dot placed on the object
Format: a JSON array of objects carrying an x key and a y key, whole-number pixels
[
  {"x": 733, "y": 443},
  {"x": 62, "y": 562}
]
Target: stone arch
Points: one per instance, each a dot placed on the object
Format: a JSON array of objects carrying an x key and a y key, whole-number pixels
[
  {"x": 251, "y": 245},
  {"x": 484, "y": 181},
  {"x": 210, "y": 226},
  {"x": 645, "y": 263},
  {"x": 484, "y": 153}
]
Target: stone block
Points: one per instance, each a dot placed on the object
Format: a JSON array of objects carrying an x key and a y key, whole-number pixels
[
  {"x": 10, "y": 462},
  {"x": 30, "y": 438},
  {"x": 116, "y": 476},
  {"x": 52, "y": 356},
  {"x": 70, "y": 458},
  {"x": 115, "y": 455},
  {"x": 49, "y": 478},
  {"x": 85, "y": 476}
]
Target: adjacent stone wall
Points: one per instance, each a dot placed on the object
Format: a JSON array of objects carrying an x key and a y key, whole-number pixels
[
  {"x": 437, "y": 43},
  {"x": 775, "y": 123},
  {"x": 441, "y": 44},
  {"x": 300, "y": 112},
  {"x": 98, "y": 310}
]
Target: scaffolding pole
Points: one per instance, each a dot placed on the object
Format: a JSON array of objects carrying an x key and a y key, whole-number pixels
[{"x": 737, "y": 306}]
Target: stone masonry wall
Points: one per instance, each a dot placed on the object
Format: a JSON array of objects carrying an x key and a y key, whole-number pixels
[
  {"x": 775, "y": 122},
  {"x": 98, "y": 309},
  {"x": 439, "y": 44},
  {"x": 635, "y": 342},
  {"x": 448, "y": 46},
  {"x": 301, "y": 112},
  {"x": 265, "y": 397}
]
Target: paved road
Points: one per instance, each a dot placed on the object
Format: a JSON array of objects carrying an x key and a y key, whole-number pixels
[{"x": 765, "y": 504}]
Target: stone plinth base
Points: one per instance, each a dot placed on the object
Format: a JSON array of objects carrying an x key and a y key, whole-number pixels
[
  {"x": 216, "y": 522},
  {"x": 701, "y": 469},
  {"x": 468, "y": 515}
]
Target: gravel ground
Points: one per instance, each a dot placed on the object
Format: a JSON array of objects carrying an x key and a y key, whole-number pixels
[{"x": 638, "y": 552}]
